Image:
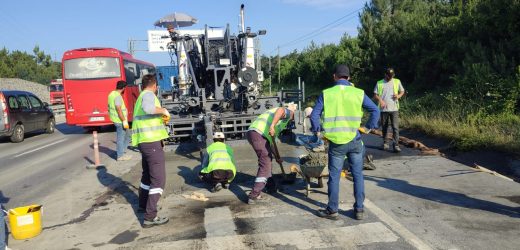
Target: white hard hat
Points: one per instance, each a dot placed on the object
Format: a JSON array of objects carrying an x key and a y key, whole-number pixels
[
  {"x": 219, "y": 135},
  {"x": 292, "y": 106}
]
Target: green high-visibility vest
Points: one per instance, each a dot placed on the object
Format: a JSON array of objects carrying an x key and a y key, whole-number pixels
[
  {"x": 112, "y": 111},
  {"x": 342, "y": 113},
  {"x": 264, "y": 121},
  {"x": 220, "y": 158},
  {"x": 380, "y": 85},
  {"x": 147, "y": 127}
]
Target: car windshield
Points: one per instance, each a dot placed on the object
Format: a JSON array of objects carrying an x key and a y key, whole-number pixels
[
  {"x": 56, "y": 88},
  {"x": 92, "y": 68}
]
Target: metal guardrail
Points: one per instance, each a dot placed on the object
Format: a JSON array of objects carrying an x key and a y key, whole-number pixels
[{"x": 58, "y": 109}]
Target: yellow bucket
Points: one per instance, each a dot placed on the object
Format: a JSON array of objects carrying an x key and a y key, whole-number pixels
[{"x": 25, "y": 222}]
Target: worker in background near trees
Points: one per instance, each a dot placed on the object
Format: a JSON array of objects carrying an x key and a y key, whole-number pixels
[
  {"x": 148, "y": 131},
  {"x": 341, "y": 107},
  {"x": 218, "y": 164},
  {"x": 119, "y": 116},
  {"x": 260, "y": 135},
  {"x": 387, "y": 93}
]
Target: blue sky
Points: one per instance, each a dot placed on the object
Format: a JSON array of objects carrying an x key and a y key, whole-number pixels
[{"x": 60, "y": 25}]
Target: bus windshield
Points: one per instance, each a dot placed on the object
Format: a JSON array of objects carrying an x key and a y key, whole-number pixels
[
  {"x": 92, "y": 68},
  {"x": 55, "y": 87}
]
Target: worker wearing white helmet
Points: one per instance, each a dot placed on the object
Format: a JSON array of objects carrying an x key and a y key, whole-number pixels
[{"x": 218, "y": 164}]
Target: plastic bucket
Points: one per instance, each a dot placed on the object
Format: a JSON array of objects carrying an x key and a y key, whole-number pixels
[{"x": 25, "y": 222}]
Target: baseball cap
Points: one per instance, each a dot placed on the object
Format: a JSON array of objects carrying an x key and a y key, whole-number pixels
[
  {"x": 342, "y": 70},
  {"x": 121, "y": 84}
]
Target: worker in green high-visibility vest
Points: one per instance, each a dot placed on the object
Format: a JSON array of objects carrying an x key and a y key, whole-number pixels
[
  {"x": 260, "y": 135},
  {"x": 218, "y": 164},
  {"x": 387, "y": 92},
  {"x": 119, "y": 116},
  {"x": 342, "y": 109}
]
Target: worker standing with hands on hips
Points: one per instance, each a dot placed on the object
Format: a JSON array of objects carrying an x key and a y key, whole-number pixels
[
  {"x": 148, "y": 132},
  {"x": 260, "y": 135},
  {"x": 119, "y": 116},
  {"x": 218, "y": 164},
  {"x": 387, "y": 93},
  {"x": 341, "y": 107}
]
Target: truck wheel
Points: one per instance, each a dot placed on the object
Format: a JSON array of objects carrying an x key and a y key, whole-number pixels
[
  {"x": 18, "y": 133},
  {"x": 51, "y": 125}
]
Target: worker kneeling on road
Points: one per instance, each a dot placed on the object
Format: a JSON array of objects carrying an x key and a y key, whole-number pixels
[
  {"x": 218, "y": 164},
  {"x": 341, "y": 106},
  {"x": 148, "y": 131},
  {"x": 260, "y": 135}
]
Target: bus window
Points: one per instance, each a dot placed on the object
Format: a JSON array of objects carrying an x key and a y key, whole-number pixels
[
  {"x": 130, "y": 73},
  {"x": 92, "y": 68}
]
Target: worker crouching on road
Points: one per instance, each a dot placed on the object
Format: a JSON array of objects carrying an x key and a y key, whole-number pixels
[
  {"x": 119, "y": 116},
  {"x": 341, "y": 107},
  {"x": 260, "y": 135},
  {"x": 218, "y": 164},
  {"x": 148, "y": 131}
]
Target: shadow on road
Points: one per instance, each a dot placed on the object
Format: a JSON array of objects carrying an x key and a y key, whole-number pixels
[
  {"x": 443, "y": 196},
  {"x": 123, "y": 188}
]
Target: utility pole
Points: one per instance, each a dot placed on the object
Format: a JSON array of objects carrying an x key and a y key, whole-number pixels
[
  {"x": 279, "y": 66},
  {"x": 270, "y": 75}
]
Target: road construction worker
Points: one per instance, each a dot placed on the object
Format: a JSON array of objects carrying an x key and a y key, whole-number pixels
[
  {"x": 260, "y": 135},
  {"x": 148, "y": 131},
  {"x": 218, "y": 164},
  {"x": 341, "y": 106},
  {"x": 119, "y": 116},
  {"x": 387, "y": 93}
]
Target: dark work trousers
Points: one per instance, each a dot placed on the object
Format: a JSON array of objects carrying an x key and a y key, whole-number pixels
[
  {"x": 390, "y": 119},
  {"x": 153, "y": 178},
  {"x": 217, "y": 176},
  {"x": 263, "y": 152}
]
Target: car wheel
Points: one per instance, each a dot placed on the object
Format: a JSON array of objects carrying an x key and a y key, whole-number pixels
[
  {"x": 18, "y": 133},
  {"x": 51, "y": 125}
]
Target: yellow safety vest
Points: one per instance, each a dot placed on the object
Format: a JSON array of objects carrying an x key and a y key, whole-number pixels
[
  {"x": 220, "y": 158},
  {"x": 264, "y": 121},
  {"x": 147, "y": 127},
  {"x": 380, "y": 85},
  {"x": 112, "y": 111},
  {"x": 342, "y": 113}
]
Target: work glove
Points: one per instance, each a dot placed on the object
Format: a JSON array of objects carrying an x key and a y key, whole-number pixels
[
  {"x": 166, "y": 116},
  {"x": 364, "y": 130},
  {"x": 125, "y": 124},
  {"x": 165, "y": 112}
]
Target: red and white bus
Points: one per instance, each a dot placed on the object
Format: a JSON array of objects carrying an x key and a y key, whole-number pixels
[
  {"x": 56, "y": 92},
  {"x": 90, "y": 74}
]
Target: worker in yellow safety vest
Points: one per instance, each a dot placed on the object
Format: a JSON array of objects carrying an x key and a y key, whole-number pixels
[
  {"x": 342, "y": 109},
  {"x": 387, "y": 92},
  {"x": 119, "y": 116},
  {"x": 148, "y": 133},
  {"x": 218, "y": 164},
  {"x": 260, "y": 135}
]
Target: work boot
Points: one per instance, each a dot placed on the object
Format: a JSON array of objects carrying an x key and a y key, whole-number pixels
[
  {"x": 359, "y": 214},
  {"x": 216, "y": 188},
  {"x": 386, "y": 146},
  {"x": 325, "y": 213},
  {"x": 368, "y": 163},
  {"x": 256, "y": 200},
  {"x": 124, "y": 158},
  {"x": 157, "y": 221},
  {"x": 319, "y": 148},
  {"x": 397, "y": 149}
]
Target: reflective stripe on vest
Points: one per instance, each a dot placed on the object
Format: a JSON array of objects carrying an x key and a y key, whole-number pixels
[
  {"x": 264, "y": 121},
  {"x": 112, "y": 111},
  {"x": 380, "y": 85},
  {"x": 146, "y": 127},
  {"x": 342, "y": 109},
  {"x": 220, "y": 158}
]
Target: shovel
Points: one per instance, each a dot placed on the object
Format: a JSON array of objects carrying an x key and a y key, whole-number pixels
[{"x": 286, "y": 180}]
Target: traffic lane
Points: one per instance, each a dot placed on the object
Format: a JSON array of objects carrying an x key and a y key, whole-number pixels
[
  {"x": 39, "y": 172},
  {"x": 447, "y": 204}
]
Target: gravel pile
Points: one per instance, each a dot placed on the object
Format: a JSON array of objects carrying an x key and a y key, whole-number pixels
[{"x": 18, "y": 84}]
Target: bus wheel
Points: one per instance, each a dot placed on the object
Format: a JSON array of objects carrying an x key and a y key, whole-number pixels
[
  {"x": 51, "y": 125},
  {"x": 18, "y": 133}
]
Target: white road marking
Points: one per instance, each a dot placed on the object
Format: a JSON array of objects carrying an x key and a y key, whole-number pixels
[
  {"x": 349, "y": 237},
  {"x": 36, "y": 149},
  {"x": 408, "y": 236}
]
